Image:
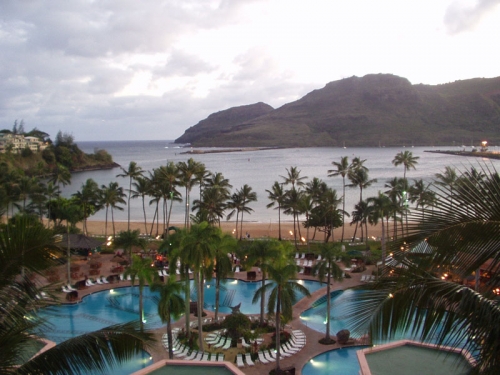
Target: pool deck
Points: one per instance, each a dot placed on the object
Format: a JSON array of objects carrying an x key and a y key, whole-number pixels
[{"x": 311, "y": 349}]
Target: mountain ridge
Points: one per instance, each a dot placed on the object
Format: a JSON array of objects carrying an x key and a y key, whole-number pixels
[{"x": 374, "y": 110}]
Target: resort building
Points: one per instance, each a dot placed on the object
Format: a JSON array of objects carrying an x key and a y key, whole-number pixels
[{"x": 18, "y": 142}]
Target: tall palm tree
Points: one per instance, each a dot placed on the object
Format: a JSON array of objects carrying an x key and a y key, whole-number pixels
[
  {"x": 60, "y": 176},
  {"x": 235, "y": 204},
  {"x": 360, "y": 218},
  {"x": 142, "y": 188},
  {"x": 421, "y": 194},
  {"x": 71, "y": 211},
  {"x": 170, "y": 306},
  {"x": 128, "y": 239},
  {"x": 277, "y": 196},
  {"x": 293, "y": 177},
  {"x": 380, "y": 209},
  {"x": 27, "y": 244},
  {"x": 188, "y": 177},
  {"x": 247, "y": 196},
  {"x": 141, "y": 269},
  {"x": 133, "y": 172},
  {"x": 359, "y": 178},
  {"x": 262, "y": 253},
  {"x": 198, "y": 248},
  {"x": 88, "y": 198},
  {"x": 223, "y": 267},
  {"x": 406, "y": 159},
  {"x": 417, "y": 298},
  {"x": 291, "y": 207},
  {"x": 327, "y": 267},
  {"x": 218, "y": 182},
  {"x": 211, "y": 206},
  {"x": 342, "y": 169},
  {"x": 111, "y": 196},
  {"x": 283, "y": 293},
  {"x": 448, "y": 179}
]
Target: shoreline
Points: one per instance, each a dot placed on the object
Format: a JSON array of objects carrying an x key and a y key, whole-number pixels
[{"x": 254, "y": 229}]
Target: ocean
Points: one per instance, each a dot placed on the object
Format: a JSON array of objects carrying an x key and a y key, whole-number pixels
[{"x": 260, "y": 169}]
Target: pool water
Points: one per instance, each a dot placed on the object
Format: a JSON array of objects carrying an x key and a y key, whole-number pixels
[
  {"x": 334, "y": 362},
  {"x": 233, "y": 292},
  {"x": 121, "y": 305}
]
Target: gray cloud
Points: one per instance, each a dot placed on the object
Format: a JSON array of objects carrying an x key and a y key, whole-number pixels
[{"x": 461, "y": 16}]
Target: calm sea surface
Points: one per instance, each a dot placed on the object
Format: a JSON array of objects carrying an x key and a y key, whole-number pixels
[{"x": 259, "y": 169}]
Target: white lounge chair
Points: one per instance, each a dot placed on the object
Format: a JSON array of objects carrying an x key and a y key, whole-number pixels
[
  {"x": 104, "y": 280},
  {"x": 268, "y": 356},
  {"x": 239, "y": 361},
  {"x": 244, "y": 343},
  {"x": 192, "y": 355},
  {"x": 129, "y": 278},
  {"x": 121, "y": 277},
  {"x": 98, "y": 281},
  {"x": 88, "y": 282},
  {"x": 227, "y": 345},
  {"x": 65, "y": 289},
  {"x": 70, "y": 288},
  {"x": 220, "y": 357},
  {"x": 248, "y": 360},
  {"x": 183, "y": 352},
  {"x": 237, "y": 269},
  {"x": 165, "y": 273},
  {"x": 296, "y": 255},
  {"x": 303, "y": 256},
  {"x": 213, "y": 357},
  {"x": 319, "y": 257},
  {"x": 160, "y": 273},
  {"x": 221, "y": 343},
  {"x": 263, "y": 359},
  {"x": 205, "y": 356}
]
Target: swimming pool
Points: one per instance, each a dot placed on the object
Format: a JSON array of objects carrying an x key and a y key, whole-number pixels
[
  {"x": 334, "y": 362},
  {"x": 120, "y": 305},
  {"x": 233, "y": 292}
]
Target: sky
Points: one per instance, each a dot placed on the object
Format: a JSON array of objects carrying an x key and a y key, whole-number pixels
[{"x": 130, "y": 69}]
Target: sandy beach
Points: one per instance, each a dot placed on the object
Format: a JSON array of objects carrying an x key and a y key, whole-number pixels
[{"x": 255, "y": 230}]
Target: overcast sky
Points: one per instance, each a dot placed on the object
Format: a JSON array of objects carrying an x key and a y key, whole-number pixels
[{"x": 130, "y": 69}]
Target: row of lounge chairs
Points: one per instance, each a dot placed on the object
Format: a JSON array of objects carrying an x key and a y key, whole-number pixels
[
  {"x": 305, "y": 263},
  {"x": 248, "y": 360},
  {"x": 367, "y": 278},
  {"x": 303, "y": 256}
]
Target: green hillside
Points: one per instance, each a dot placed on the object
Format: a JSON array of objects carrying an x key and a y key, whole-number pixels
[{"x": 373, "y": 110}]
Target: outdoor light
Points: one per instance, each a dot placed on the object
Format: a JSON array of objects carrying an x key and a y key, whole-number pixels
[
  {"x": 391, "y": 295},
  {"x": 291, "y": 233}
]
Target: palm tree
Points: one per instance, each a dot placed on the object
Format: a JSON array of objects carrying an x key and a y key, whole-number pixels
[
  {"x": 211, "y": 206},
  {"x": 198, "y": 248},
  {"x": 360, "y": 217},
  {"x": 235, "y": 204},
  {"x": 88, "y": 198},
  {"x": 133, "y": 172},
  {"x": 277, "y": 196},
  {"x": 188, "y": 176},
  {"x": 142, "y": 188},
  {"x": 262, "y": 253},
  {"x": 141, "y": 269},
  {"x": 71, "y": 211},
  {"x": 247, "y": 196},
  {"x": 111, "y": 196},
  {"x": 343, "y": 169},
  {"x": 327, "y": 267},
  {"x": 461, "y": 238},
  {"x": 291, "y": 207},
  {"x": 448, "y": 179},
  {"x": 293, "y": 177},
  {"x": 223, "y": 266},
  {"x": 283, "y": 293},
  {"x": 359, "y": 178},
  {"x": 61, "y": 176},
  {"x": 128, "y": 239},
  {"x": 170, "y": 306},
  {"x": 380, "y": 209},
  {"x": 421, "y": 194},
  {"x": 407, "y": 159},
  {"x": 26, "y": 244}
]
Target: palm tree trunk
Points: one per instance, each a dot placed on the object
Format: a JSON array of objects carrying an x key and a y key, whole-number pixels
[
  {"x": 278, "y": 330},
  {"x": 141, "y": 308},
  {"x": 144, "y": 211},
  {"x": 169, "y": 338},
  {"x": 217, "y": 298},
  {"x": 279, "y": 222},
  {"x": 113, "y": 221},
  {"x": 343, "y": 208},
  {"x": 262, "y": 298},
  {"x": 241, "y": 223},
  {"x": 199, "y": 302},
  {"x": 153, "y": 222},
  {"x": 68, "y": 254},
  {"x": 328, "y": 305},
  {"x": 106, "y": 228},
  {"x": 128, "y": 203},
  {"x": 187, "y": 304}
]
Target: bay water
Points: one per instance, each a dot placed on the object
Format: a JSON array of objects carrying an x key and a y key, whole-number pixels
[{"x": 260, "y": 169}]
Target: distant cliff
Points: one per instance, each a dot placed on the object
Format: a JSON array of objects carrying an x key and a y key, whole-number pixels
[{"x": 377, "y": 109}]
